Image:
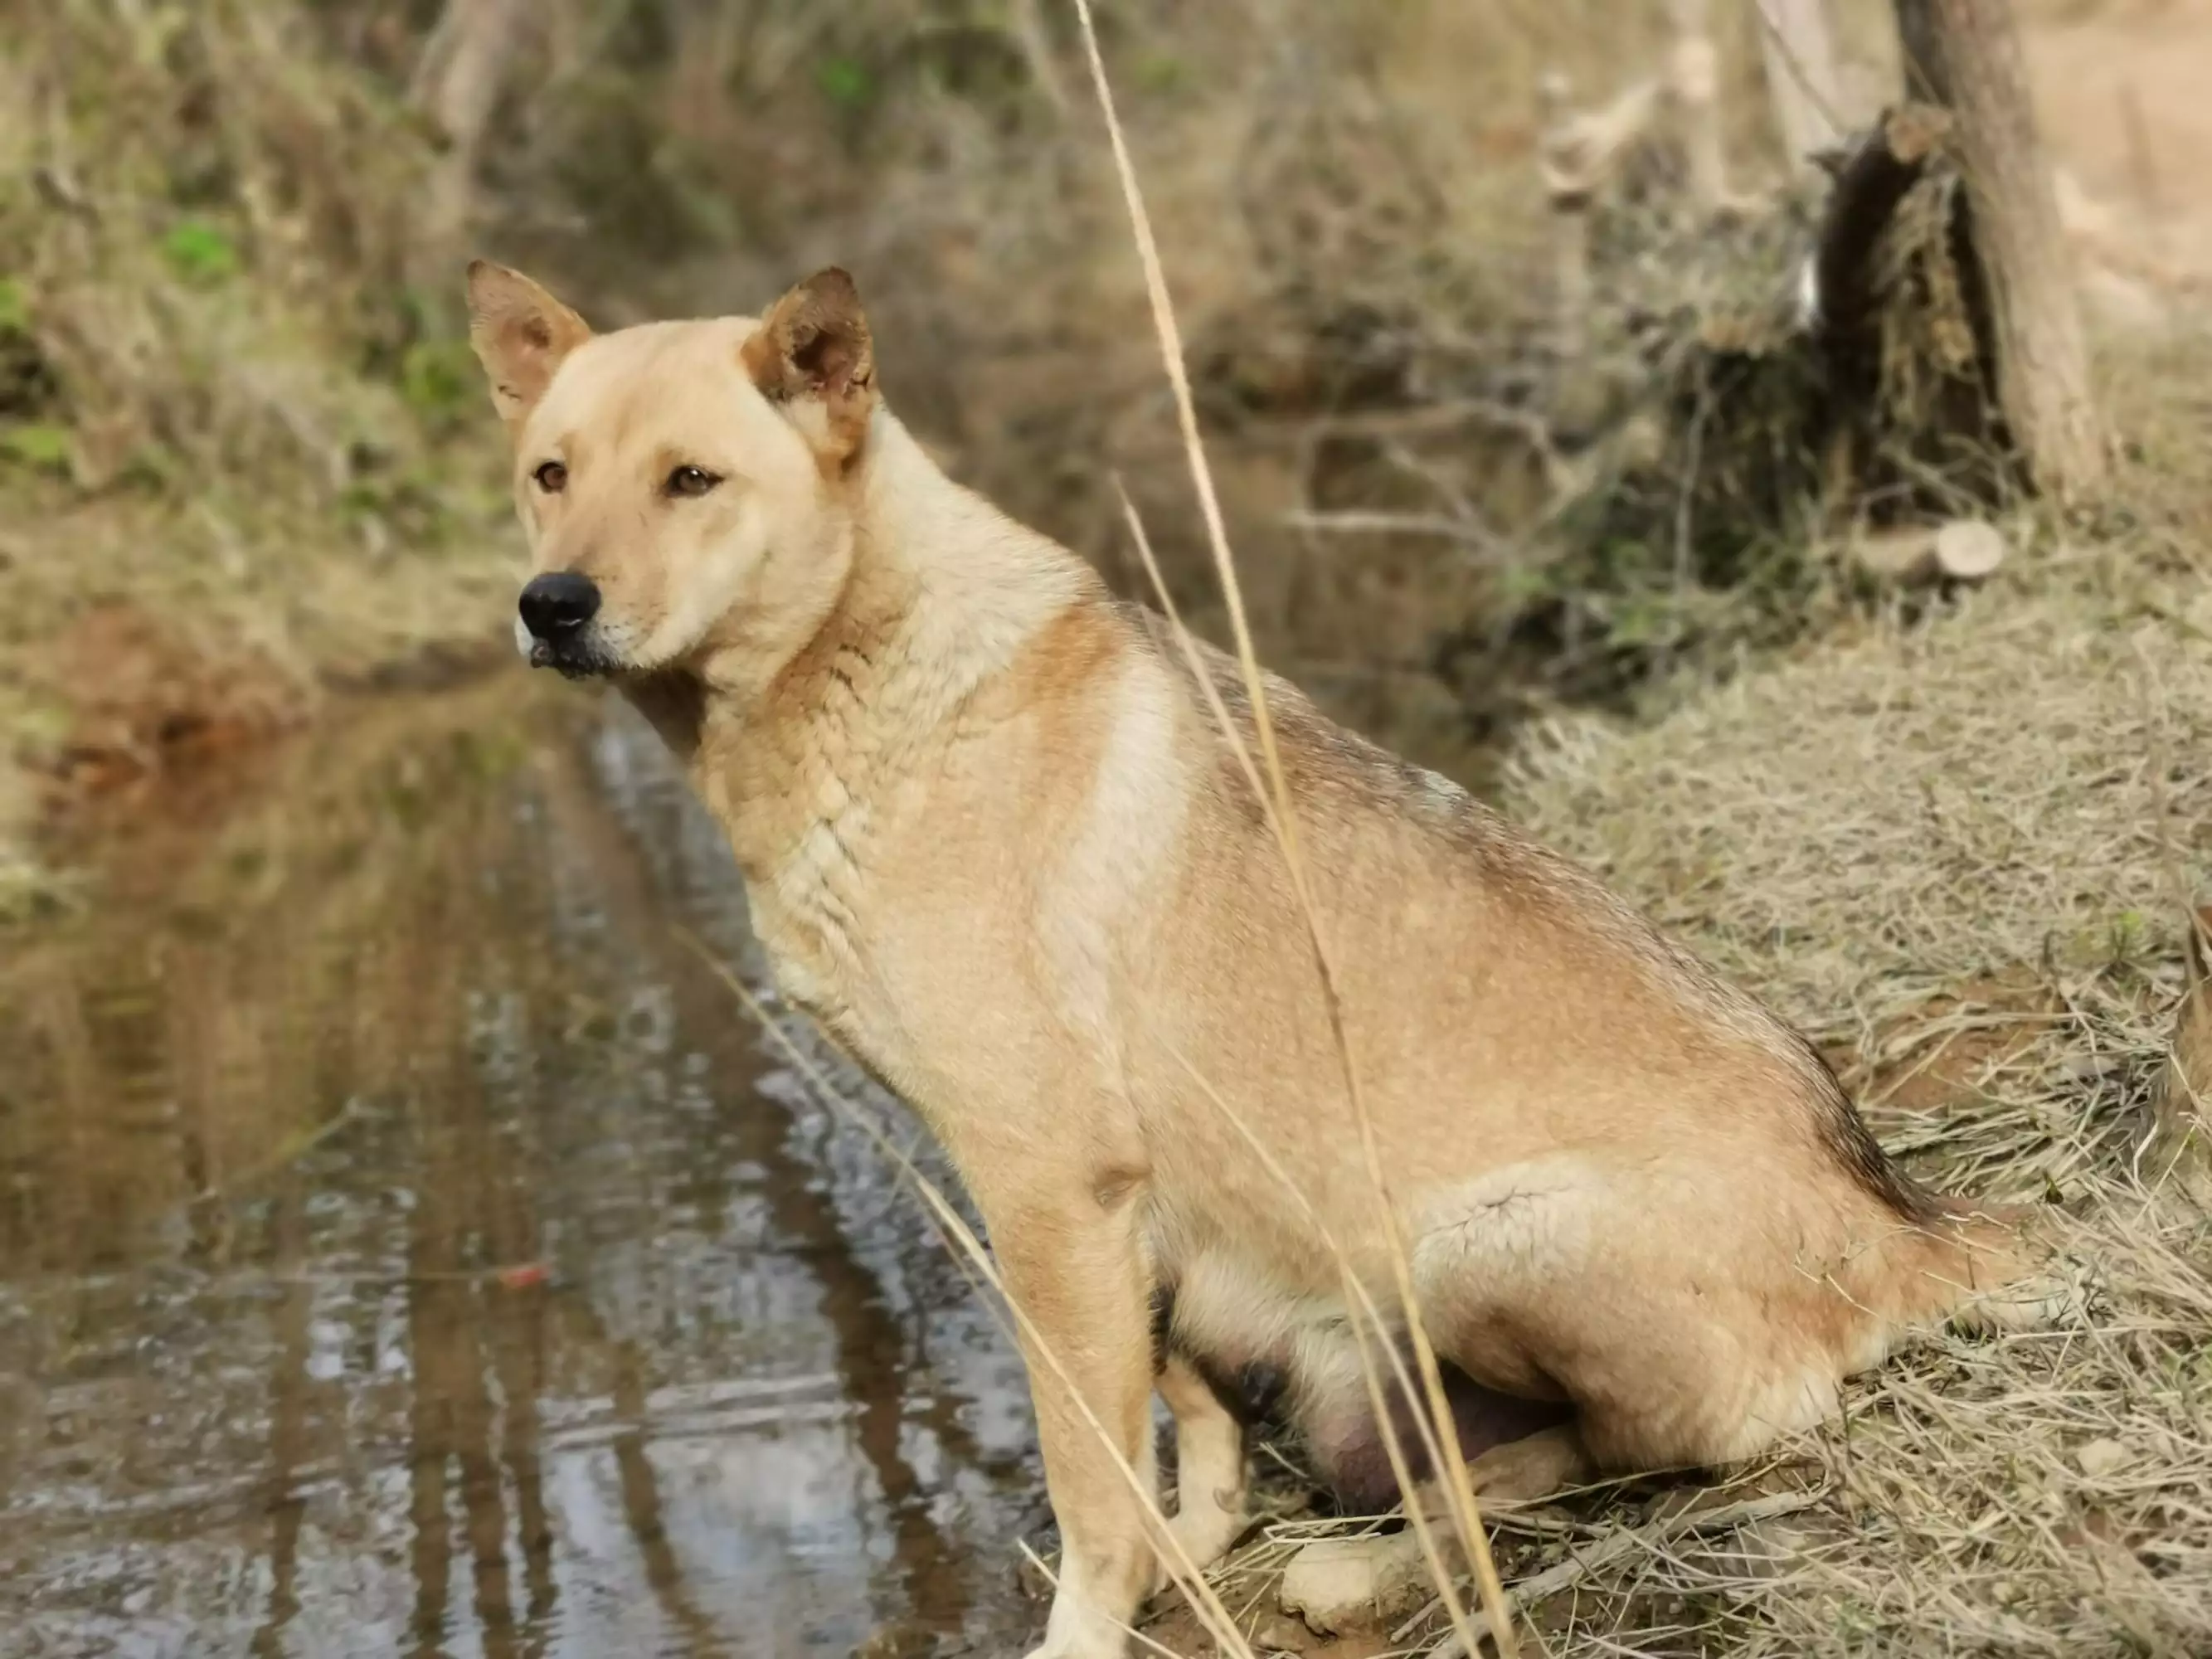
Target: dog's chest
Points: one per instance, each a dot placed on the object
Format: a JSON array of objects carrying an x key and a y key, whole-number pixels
[
  {"x": 815, "y": 912},
  {"x": 803, "y": 912}
]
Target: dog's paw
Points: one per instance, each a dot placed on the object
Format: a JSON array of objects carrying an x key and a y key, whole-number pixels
[
  {"x": 1204, "y": 1531},
  {"x": 1079, "y": 1630}
]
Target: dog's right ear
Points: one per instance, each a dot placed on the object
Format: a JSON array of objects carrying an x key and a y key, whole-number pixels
[{"x": 520, "y": 334}]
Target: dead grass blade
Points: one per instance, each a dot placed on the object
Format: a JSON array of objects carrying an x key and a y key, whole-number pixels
[
  {"x": 1648, "y": 1539},
  {"x": 1356, "y": 1295},
  {"x": 1451, "y": 1471}
]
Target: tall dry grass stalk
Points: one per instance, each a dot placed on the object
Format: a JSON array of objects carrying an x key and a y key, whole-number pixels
[
  {"x": 1451, "y": 1468},
  {"x": 1359, "y": 1303}
]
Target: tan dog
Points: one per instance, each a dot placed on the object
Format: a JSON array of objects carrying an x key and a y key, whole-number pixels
[{"x": 995, "y": 844}]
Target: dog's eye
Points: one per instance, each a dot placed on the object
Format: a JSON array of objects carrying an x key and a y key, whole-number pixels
[
  {"x": 552, "y": 477},
  {"x": 691, "y": 481}
]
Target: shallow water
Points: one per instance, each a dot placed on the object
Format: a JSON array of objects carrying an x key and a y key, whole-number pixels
[{"x": 408, "y": 1245}]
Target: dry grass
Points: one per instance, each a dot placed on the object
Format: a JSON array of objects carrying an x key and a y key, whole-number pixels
[
  {"x": 1958, "y": 852},
  {"x": 2022, "y": 782},
  {"x": 2010, "y": 806}
]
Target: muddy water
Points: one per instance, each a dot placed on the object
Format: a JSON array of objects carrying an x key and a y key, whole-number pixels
[{"x": 407, "y": 1246}]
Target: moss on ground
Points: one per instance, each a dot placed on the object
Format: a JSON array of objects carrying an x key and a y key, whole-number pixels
[{"x": 228, "y": 410}]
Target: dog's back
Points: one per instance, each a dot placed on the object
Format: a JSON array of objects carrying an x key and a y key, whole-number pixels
[{"x": 1624, "y": 1180}]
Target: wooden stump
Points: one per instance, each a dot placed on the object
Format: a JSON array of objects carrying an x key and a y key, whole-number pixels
[{"x": 1964, "y": 55}]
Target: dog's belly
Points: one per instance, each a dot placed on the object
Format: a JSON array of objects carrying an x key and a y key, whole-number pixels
[
  {"x": 1241, "y": 1329},
  {"x": 1353, "y": 1457},
  {"x": 1276, "y": 1354}
]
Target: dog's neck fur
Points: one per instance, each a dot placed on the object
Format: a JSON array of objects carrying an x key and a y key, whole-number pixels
[{"x": 943, "y": 594}]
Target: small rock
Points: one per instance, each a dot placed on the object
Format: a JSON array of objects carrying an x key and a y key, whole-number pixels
[
  {"x": 1340, "y": 1584},
  {"x": 1963, "y": 549},
  {"x": 2101, "y": 1457},
  {"x": 1894, "y": 555}
]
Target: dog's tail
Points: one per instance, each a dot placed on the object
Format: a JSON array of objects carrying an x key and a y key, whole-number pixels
[
  {"x": 1975, "y": 1264},
  {"x": 1978, "y": 1266}
]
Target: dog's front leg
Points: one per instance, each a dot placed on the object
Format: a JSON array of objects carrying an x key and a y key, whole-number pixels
[{"x": 1069, "y": 1251}]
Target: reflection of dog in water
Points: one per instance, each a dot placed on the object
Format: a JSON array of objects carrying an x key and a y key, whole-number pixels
[{"x": 995, "y": 843}]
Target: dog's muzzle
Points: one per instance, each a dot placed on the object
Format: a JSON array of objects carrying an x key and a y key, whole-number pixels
[{"x": 557, "y": 612}]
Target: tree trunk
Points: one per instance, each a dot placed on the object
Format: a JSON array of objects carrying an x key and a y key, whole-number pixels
[
  {"x": 458, "y": 84},
  {"x": 1966, "y": 55},
  {"x": 1799, "y": 54}
]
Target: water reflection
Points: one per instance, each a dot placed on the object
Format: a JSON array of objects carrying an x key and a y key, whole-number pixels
[{"x": 408, "y": 1247}]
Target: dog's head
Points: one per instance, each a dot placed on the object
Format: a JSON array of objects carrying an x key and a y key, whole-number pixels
[{"x": 686, "y": 487}]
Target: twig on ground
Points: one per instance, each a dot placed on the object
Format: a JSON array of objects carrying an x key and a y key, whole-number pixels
[{"x": 1629, "y": 1540}]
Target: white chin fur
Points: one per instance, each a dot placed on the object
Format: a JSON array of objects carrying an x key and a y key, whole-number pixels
[{"x": 521, "y": 639}]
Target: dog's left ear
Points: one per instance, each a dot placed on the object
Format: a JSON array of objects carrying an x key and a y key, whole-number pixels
[
  {"x": 520, "y": 334},
  {"x": 813, "y": 355}
]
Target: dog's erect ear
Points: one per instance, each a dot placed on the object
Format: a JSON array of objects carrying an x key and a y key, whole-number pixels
[
  {"x": 813, "y": 351},
  {"x": 520, "y": 333}
]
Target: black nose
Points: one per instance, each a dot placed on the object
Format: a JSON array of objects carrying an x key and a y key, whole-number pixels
[{"x": 559, "y": 602}]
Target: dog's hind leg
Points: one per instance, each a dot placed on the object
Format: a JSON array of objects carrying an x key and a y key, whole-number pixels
[
  {"x": 1210, "y": 1471},
  {"x": 1532, "y": 1468}
]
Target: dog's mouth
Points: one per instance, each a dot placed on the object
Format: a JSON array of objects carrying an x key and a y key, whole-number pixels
[{"x": 573, "y": 657}]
